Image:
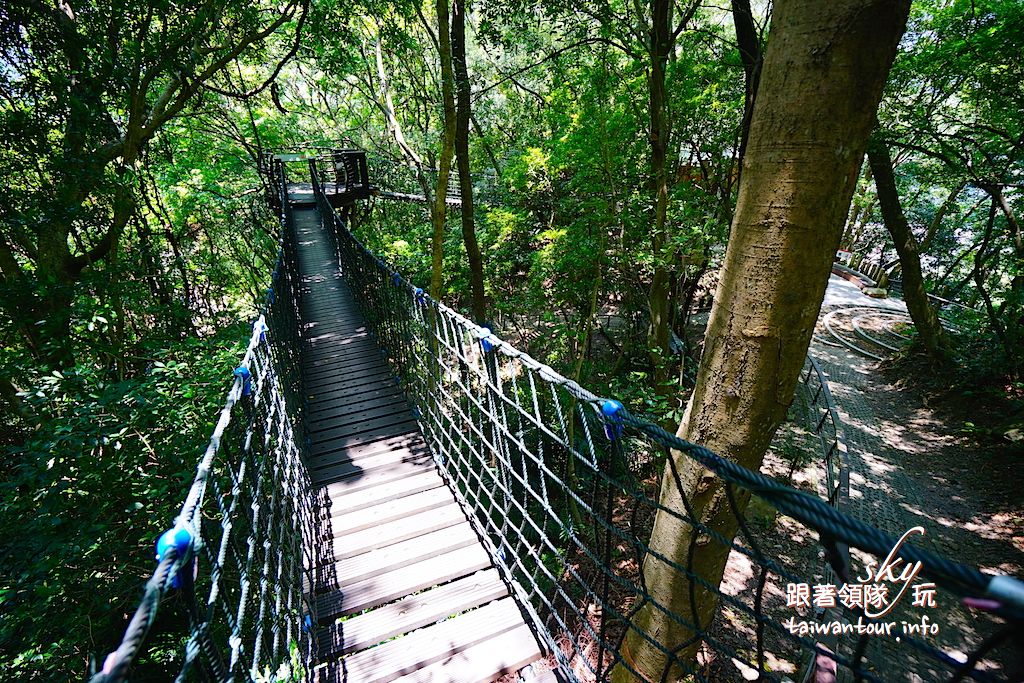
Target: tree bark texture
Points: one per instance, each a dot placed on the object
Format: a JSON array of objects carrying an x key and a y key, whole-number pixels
[
  {"x": 929, "y": 329},
  {"x": 823, "y": 74},
  {"x": 660, "y": 131},
  {"x": 439, "y": 215},
  {"x": 462, "y": 123}
]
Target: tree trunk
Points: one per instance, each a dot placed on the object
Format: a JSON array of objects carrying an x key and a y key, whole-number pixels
[
  {"x": 929, "y": 329},
  {"x": 750, "y": 55},
  {"x": 462, "y": 121},
  {"x": 660, "y": 46},
  {"x": 823, "y": 75},
  {"x": 444, "y": 164}
]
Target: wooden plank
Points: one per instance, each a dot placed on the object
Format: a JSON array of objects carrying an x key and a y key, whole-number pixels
[
  {"x": 384, "y": 535},
  {"x": 333, "y": 402},
  {"x": 412, "y": 444},
  {"x": 410, "y": 613},
  {"x": 383, "y": 395},
  {"x": 332, "y": 344},
  {"x": 418, "y": 650},
  {"x": 343, "y": 348},
  {"x": 341, "y": 382},
  {"x": 328, "y": 341},
  {"x": 363, "y": 345},
  {"x": 330, "y": 380},
  {"x": 484, "y": 662},
  {"x": 314, "y": 373},
  {"x": 362, "y": 426},
  {"x": 383, "y": 560},
  {"x": 339, "y": 329},
  {"x": 314, "y": 324},
  {"x": 324, "y": 446},
  {"x": 385, "y": 587},
  {"x": 389, "y": 511},
  {"x": 347, "y": 365},
  {"x": 384, "y": 491},
  {"x": 365, "y": 411},
  {"x": 342, "y": 389},
  {"x": 340, "y": 351},
  {"x": 390, "y": 461}
]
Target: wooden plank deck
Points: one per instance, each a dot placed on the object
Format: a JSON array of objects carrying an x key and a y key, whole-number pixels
[{"x": 405, "y": 590}]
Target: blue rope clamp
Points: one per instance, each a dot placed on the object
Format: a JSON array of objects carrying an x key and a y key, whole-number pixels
[
  {"x": 611, "y": 411},
  {"x": 420, "y": 295},
  {"x": 485, "y": 343},
  {"x": 396, "y": 279},
  {"x": 270, "y": 295},
  {"x": 260, "y": 327},
  {"x": 179, "y": 538},
  {"x": 242, "y": 373}
]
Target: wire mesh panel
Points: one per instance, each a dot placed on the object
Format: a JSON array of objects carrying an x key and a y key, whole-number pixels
[
  {"x": 590, "y": 513},
  {"x": 235, "y": 559}
]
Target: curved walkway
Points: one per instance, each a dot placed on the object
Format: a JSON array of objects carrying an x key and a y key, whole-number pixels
[{"x": 889, "y": 481}]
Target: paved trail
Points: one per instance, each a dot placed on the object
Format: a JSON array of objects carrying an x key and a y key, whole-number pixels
[{"x": 892, "y": 485}]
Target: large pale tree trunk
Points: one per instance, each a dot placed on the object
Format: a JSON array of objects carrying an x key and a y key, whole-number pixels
[
  {"x": 462, "y": 121},
  {"x": 929, "y": 329},
  {"x": 823, "y": 75}
]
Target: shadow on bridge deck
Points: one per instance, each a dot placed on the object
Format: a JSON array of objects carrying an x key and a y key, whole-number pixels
[{"x": 397, "y": 555}]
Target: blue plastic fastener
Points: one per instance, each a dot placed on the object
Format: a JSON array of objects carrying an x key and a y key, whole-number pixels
[
  {"x": 420, "y": 295},
  {"x": 307, "y": 624},
  {"x": 260, "y": 328},
  {"x": 486, "y": 343},
  {"x": 396, "y": 278},
  {"x": 612, "y": 412},
  {"x": 270, "y": 295},
  {"x": 243, "y": 374},
  {"x": 180, "y": 539}
]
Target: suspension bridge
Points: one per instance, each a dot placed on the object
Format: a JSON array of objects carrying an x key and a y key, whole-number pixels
[{"x": 392, "y": 492}]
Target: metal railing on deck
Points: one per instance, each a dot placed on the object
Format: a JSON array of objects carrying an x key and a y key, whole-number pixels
[{"x": 563, "y": 487}]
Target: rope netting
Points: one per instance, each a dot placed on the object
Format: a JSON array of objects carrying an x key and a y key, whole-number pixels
[
  {"x": 233, "y": 562},
  {"x": 564, "y": 488}
]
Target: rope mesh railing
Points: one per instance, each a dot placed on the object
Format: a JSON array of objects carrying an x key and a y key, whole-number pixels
[
  {"x": 563, "y": 487},
  {"x": 234, "y": 560}
]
